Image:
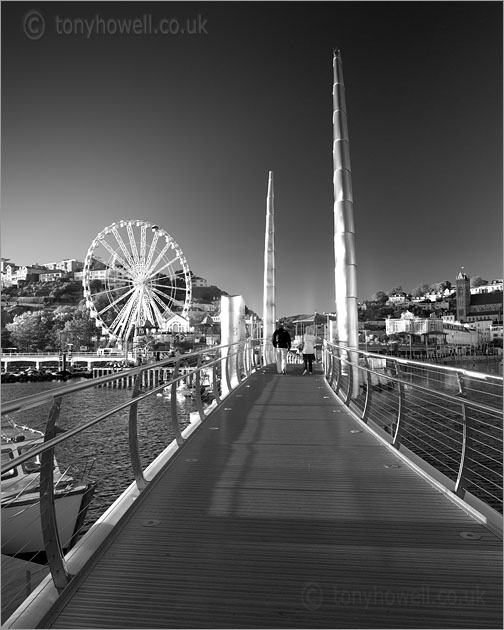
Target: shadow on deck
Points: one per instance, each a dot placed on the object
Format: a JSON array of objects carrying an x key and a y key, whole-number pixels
[{"x": 284, "y": 511}]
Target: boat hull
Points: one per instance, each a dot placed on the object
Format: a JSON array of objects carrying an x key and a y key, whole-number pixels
[{"x": 21, "y": 522}]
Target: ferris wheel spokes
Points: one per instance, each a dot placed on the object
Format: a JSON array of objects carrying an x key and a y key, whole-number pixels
[
  {"x": 160, "y": 256},
  {"x": 143, "y": 280},
  {"x": 152, "y": 250},
  {"x": 133, "y": 246},
  {"x": 123, "y": 319},
  {"x": 121, "y": 298},
  {"x": 123, "y": 247},
  {"x": 115, "y": 255}
]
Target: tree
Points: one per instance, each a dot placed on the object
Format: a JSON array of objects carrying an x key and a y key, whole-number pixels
[
  {"x": 6, "y": 337},
  {"x": 73, "y": 326},
  {"x": 396, "y": 290},
  {"x": 420, "y": 290},
  {"x": 31, "y": 331},
  {"x": 380, "y": 296},
  {"x": 477, "y": 281}
]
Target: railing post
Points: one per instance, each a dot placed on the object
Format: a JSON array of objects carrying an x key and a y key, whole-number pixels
[
  {"x": 348, "y": 396},
  {"x": 197, "y": 385},
  {"x": 215, "y": 384},
  {"x": 226, "y": 362},
  {"x": 136, "y": 463},
  {"x": 328, "y": 363},
  {"x": 367, "y": 403},
  {"x": 239, "y": 364},
  {"x": 173, "y": 401},
  {"x": 246, "y": 357},
  {"x": 52, "y": 545},
  {"x": 467, "y": 437},
  {"x": 324, "y": 358},
  {"x": 337, "y": 359},
  {"x": 396, "y": 441}
]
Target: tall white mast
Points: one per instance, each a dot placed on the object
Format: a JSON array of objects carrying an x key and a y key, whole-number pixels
[
  {"x": 344, "y": 230},
  {"x": 269, "y": 305}
]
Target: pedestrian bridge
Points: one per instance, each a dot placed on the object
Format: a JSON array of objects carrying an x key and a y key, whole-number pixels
[{"x": 291, "y": 503}]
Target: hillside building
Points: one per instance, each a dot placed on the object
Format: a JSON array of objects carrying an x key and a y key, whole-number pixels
[{"x": 480, "y": 305}]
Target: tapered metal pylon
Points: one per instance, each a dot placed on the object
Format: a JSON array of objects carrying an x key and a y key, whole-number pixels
[
  {"x": 269, "y": 305},
  {"x": 344, "y": 231}
]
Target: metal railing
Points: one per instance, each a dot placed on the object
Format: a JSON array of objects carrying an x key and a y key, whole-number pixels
[
  {"x": 208, "y": 376},
  {"x": 449, "y": 420}
]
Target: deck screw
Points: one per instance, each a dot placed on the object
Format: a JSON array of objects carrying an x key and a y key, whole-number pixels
[{"x": 470, "y": 535}]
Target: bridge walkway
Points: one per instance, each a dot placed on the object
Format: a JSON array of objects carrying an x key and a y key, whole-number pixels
[{"x": 282, "y": 511}]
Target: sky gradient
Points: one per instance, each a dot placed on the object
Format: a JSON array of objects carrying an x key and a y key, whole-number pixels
[{"x": 181, "y": 130}]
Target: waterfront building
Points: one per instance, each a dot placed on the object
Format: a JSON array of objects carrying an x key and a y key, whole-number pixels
[
  {"x": 69, "y": 265},
  {"x": 409, "y": 323},
  {"x": 204, "y": 306},
  {"x": 490, "y": 287},
  {"x": 398, "y": 299},
  {"x": 463, "y": 296},
  {"x": 177, "y": 324},
  {"x": 496, "y": 332},
  {"x": 484, "y": 329},
  {"x": 52, "y": 276},
  {"x": 480, "y": 305},
  {"x": 15, "y": 274},
  {"x": 198, "y": 282},
  {"x": 440, "y": 332}
]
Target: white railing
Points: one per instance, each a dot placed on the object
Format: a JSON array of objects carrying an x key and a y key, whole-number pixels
[{"x": 446, "y": 419}]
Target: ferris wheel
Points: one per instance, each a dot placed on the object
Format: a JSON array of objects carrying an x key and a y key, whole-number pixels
[{"x": 135, "y": 274}]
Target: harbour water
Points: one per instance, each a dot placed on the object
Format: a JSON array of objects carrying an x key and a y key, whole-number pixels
[{"x": 107, "y": 442}]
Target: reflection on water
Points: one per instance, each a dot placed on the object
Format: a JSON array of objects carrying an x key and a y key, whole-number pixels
[{"x": 106, "y": 442}]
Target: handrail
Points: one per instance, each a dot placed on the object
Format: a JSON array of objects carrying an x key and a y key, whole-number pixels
[
  {"x": 218, "y": 362},
  {"x": 453, "y": 431}
]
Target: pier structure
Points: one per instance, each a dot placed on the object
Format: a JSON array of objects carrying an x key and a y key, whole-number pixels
[
  {"x": 269, "y": 288},
  {"x": 287, "y": 502},
  {"x": 345, "y": 276}
]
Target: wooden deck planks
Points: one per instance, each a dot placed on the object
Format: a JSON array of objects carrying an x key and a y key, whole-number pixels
[{"x": 277, "y": 513}]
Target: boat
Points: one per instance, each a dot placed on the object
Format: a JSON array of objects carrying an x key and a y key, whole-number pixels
[{"x": 21, "y": 522}]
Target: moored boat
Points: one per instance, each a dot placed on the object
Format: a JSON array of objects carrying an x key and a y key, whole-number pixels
[{"x": 21, "y": 520}]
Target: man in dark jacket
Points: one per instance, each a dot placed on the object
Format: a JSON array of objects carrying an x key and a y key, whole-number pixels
[{"x": 282, "y": 343}]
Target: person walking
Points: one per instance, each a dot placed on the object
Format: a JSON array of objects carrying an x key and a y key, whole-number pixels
[
  {"x": 308, "y": 350},
  {"x": 282, "y": 343}
]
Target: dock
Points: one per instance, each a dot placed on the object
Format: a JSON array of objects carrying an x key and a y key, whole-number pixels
[{"x": 19, "y": 578}]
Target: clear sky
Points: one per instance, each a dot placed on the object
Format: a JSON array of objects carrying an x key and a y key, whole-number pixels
[{"x": 182, "y": 129}]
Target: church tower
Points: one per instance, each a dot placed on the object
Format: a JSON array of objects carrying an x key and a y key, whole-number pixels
[{"x": 463, "y": 296}]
